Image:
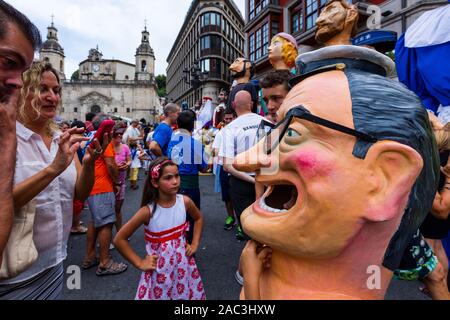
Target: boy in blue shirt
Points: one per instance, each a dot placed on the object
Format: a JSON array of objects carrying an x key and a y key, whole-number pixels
[
  {"x": 163, "y": 133},
  {"x": 188, "y": 154}
]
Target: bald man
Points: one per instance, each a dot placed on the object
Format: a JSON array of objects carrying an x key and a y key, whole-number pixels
[{"x": 239, "y": 136}]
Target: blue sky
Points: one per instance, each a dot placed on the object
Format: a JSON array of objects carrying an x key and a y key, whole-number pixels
[{"x": 114, "y": 25}]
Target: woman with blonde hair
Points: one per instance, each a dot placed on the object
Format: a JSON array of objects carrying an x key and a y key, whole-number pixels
[{"x": 47, "y": 171}]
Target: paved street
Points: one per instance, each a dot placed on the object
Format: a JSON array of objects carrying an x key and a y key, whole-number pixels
[{"x": 217, "y": 258}]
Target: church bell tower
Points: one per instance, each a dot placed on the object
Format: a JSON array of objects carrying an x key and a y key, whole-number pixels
[
  {"x": 145, "y": 59},
  {"x": 52, "y": 51}
]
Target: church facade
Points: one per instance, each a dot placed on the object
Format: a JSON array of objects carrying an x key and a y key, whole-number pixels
[{"x": 108, "y": 86}]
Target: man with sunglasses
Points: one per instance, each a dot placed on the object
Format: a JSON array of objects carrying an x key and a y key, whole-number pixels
[{"x": 355, "y": 160}]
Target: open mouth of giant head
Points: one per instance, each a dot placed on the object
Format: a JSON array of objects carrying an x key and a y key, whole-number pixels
[{"x": 278, "y": 199}]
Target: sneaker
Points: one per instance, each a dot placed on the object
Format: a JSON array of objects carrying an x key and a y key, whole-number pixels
[
  {"x": 239, "y": 233},
  {"x": 229, "y": 223},
  {"x": 239, "y": 278}
]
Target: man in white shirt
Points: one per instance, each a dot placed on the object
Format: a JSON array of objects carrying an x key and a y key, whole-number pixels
[
  {"x": 238, "y": 137},
  {"x": 133, "y": 133}
]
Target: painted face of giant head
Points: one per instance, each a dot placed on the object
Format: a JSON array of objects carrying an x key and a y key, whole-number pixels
[
  {"x": 281, "y": 50},
  {"x": 240, "y": 68},
  {"x": 334, "y": 19},
  {"x": 320, "y": 195}
]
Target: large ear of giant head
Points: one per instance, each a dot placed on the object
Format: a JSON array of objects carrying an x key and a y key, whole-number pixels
[{"x": 404, "y": 163}]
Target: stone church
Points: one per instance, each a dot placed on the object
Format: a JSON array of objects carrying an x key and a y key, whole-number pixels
[{"x": 108, "y": 86}]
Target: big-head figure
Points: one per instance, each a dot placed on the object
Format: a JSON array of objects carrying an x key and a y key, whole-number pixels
[
  {"x": 337, "y": 23},
  {"x": 283, "y": 51},
  {"x": 351, "y": 173},
  {"x": 242, "y": 70}
]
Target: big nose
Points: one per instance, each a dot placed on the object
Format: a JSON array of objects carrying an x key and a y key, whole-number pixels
[
  {"x": 253, "y": 159},
  {"x": 320, "y": 21}
]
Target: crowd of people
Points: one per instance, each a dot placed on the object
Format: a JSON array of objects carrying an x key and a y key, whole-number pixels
[{"x": 71, "y": 165}]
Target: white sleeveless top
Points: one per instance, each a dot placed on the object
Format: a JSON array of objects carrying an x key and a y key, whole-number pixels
[
  {"x": 168, "y": 218},
  {"x": 54, "y": 207}
]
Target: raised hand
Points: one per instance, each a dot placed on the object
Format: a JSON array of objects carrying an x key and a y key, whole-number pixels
[
  {"x": 69, "y": 143},
  {"x": 95, "y": 151},
  {"x": 148, "y": 263},
  {"x": 255, "y": 257},
  {"x": 8, "y": 114}
]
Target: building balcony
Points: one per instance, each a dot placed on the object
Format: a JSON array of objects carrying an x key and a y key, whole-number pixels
[
  {"x": 273, "y": 7},
  {"x": 210, "y": 28},
  {"x": 217, "y": 51}
]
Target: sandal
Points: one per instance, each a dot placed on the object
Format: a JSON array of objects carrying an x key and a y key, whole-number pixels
[
  {"x": 89, "y": 263},
  {"x": 79, "y": 230},
  {"x": 111, "y": 269}
]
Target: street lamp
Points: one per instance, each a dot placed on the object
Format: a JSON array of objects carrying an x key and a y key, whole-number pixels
[{"x": 194, "y": 75}]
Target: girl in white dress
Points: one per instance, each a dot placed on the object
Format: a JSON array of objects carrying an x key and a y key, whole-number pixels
[{"x": 169, "y": 271}]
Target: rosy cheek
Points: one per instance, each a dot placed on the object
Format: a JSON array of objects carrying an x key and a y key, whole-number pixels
[{"x": 311, "y": 163}]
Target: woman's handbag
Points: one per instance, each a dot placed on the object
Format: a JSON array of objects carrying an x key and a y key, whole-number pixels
[{"x": 20, "y": 252}]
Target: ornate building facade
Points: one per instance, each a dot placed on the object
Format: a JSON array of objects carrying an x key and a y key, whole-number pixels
[
  {"x": 210, "y": 39},
  {"x": 113, "y": 87}
]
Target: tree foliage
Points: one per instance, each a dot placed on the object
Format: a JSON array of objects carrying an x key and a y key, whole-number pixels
[
  {"x": 161, "y": 83},
  {"x": 75, "y": 75}
]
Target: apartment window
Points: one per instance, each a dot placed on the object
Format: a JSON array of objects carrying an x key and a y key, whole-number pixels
[
  {"x": 212, "y": 43},
  {"x": 205, "y": 43},
  {"x": 312, "y": 7},
  {"x": 259, "y": 43},
  {"x": 265, "y": 39},
  {"x": 75, "y": 110},
  {"x": 256, "y": 6},
  {"x": 297, "y": 20},
  {"x": 210, "y": 19},
  {"x": 252, "y": 47},
  {"x": 275, "y": 27},
  {"x": 128, "y": 110},
  {"x": 205, "y": 65},
  {"x": 115, "y": 110},
  {"x": 215, "y": 68}
]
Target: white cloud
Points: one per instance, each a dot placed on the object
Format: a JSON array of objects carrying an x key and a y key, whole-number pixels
[{"x": 114, "y": 25}]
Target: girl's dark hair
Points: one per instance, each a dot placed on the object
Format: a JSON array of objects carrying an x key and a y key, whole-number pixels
[{"x": 150, "y": 194}]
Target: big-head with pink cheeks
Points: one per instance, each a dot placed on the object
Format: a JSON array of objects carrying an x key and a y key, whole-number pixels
[{"x": 340, "y": 204}]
